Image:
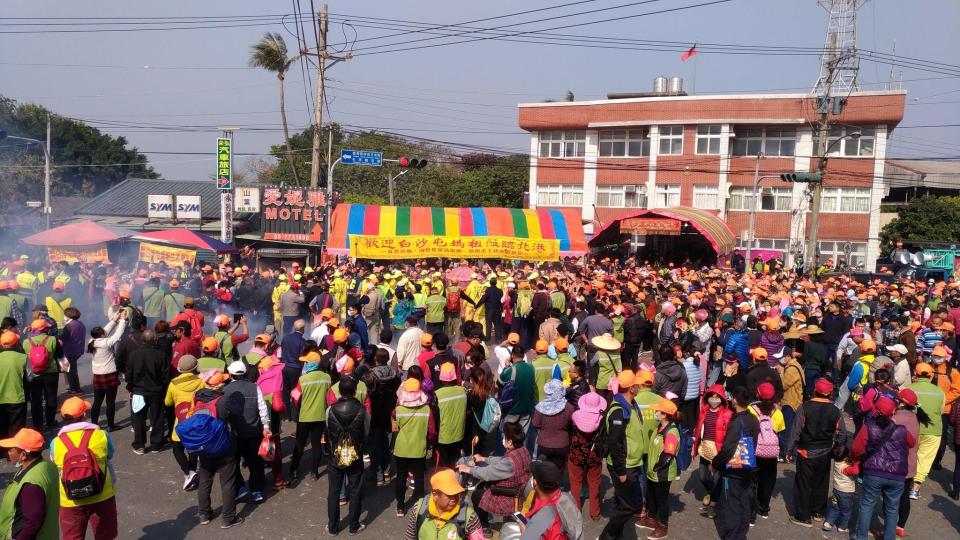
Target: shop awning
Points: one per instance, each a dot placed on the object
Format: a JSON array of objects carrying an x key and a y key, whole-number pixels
[
  {"x": 400, "y": 232},
  {"x": 714, "y": 229}
]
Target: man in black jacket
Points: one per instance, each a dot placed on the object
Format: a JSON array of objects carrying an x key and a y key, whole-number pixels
[
  {"x": 347, "y": 427},
  {"x": 814, "y": 429},
  {"x": 634, "y": 330},
  {"x": 148, "y": 374},
  {"x": 732, "y": 518},
  {"x": 761, "y": 372},
  {"x": 492, "y": 301}
]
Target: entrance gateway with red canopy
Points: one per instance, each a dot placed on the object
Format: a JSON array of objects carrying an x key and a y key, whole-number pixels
[
  {"x": 675, "y": 234},
  {"x": 365, "y": 231}
]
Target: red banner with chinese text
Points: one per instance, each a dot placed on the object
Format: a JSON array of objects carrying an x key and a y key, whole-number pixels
[{"x": 653, "y": 226}]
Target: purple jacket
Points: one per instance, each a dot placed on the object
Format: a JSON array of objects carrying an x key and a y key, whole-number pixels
[
  {"x": 73, "y": 337},
  {"x": 773, "y": 343},
  {"x": 889, "y": 461}
]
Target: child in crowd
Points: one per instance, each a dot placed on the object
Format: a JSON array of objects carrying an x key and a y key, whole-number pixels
[{"x": 844, "y": 486}]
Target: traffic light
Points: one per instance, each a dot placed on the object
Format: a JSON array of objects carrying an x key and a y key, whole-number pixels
[
  {"x": 412, "y": 163},
  {"x": 804, "y": 177}
]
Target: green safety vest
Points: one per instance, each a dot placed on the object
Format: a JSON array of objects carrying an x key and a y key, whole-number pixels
[
  {"x": 542, "y": 373},
  {"x": 419, "y": 300},
  {"x": 617, "y": 328},
  {"x": 6, "y": 306},
  {"x": 609, "y": 366},
  {"x": 20, "y": 299},
  {"x": 558, "y": 300},
  {"x": 565, "y": 361},
  {"x": 436, "y": 305},
  {"x": 313, "y": 402},
  {"x": 452, "y": 402},
  {"x": 654, "y": 451},
  {"x": 253, "y": 359},
  {"x": 43, "y": 340},
  {"x": 206, "y": 363},
  {"x": 931, "y": 398},
  {"x": 226, "y": 344},
  {"x": 645, "y": 401},
  {"x": 411, "y": 440},
  {"x": 636, "y": 436},
  {"x": 44, "y": 475},
  {"x": 361, "y": 391},
  {"x": 451, "y": 530},
  {"x": 173, "y": 305},
  {"x": 152, "y": 302},
  {"x": 12, "y": 367}
]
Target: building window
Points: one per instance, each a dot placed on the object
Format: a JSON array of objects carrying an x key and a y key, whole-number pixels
[
  {"x": 706, "y": 197},
  {"x": 771, "y": 141},
  {"x": 667, "y": 196},
  {"x": 849, "y": 147},
  {"x": 763, "y": 243},
  {"x": 622, "y": 196},
  {"x": 624, "y": 143},
  {"x": 845, "y": 200},
  {"x": 563, "y": 144},
  {"x": 833, "y": 250},
  {"x": 671, "y": 140},
  {"x": 559, "y": 195},
  {"x": 771, "y": 199},
  {"x": 708, "y": 139}
]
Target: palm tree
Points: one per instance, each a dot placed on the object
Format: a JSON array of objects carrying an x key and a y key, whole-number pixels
[{"x": 270, "y": 53}]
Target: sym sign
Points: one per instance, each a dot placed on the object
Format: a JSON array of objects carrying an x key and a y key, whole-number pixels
[
  {"x": 293, "y": 214},
  {"x": 173, "y": 207}
]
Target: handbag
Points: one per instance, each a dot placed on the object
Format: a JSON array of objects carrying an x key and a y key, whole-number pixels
[
  {"x": 613, "y": 385},
  {"x": 745, "y": 456}
]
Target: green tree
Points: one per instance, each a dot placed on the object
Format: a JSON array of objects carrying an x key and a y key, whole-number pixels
[
  {"x": 85, "y": 161},
  {"x": 270, "y": 53},
  {"x": 924, "y": 219}
]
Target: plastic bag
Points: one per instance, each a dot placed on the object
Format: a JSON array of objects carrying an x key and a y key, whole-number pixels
[{"x": 268, "y": 449}]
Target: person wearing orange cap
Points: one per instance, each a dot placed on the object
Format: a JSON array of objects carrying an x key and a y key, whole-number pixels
[
  {"x": 310, "y": 396},
  {"x": 8, "y": 306},
  {"x": 627, "y": 441},
  {"x": 185, "y": 311},
  {"x": 413, "y": 426},
  {"x": 78, "y": 508},
  {"x": 932, "y": 399},
  {"x": 228, "y": 338},
  {"x": 30, "y": 504},
  {"x": 57, "y": 301},
  {"x": 452, "y": 408},
  {"x": 443, "y": 513},
  {"x": 426, "y": 353},
  {"x": 542, "y": 368},
  {"x": 211, "y": 358},
  {"x": 661, "y": 468},
  {"x": 13, "y": 402},
  {"x": 44, "y": 370},
  {"x": 947, "y": 377}
]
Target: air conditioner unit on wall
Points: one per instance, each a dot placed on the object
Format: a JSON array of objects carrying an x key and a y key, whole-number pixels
[{"x": 630, "y": 189}]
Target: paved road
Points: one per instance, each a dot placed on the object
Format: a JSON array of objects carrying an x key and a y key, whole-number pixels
[{"x": 153, "y": 506}]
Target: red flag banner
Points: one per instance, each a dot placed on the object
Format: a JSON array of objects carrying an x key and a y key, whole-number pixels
[{"x": 692, "y": 51}]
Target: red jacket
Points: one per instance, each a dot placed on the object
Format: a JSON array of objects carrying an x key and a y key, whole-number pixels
[
  {"x": 724, "y": 414},
  {"x": 182, "y": 347},
  {"x": 555, "y": 532}
]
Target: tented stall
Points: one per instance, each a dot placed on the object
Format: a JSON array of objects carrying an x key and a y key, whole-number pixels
[
  {"x": 676, "y": 234},
  {"x": 401, "y": 232}
]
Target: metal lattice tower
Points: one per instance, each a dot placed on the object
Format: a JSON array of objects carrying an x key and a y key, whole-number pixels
[{"x": 840, "y": 47}]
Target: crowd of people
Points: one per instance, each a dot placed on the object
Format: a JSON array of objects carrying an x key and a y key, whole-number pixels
[{"x": 504, "y": 387}]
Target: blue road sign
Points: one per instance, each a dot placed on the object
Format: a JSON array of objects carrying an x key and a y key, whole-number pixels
[{"x": 361, "y": 157}]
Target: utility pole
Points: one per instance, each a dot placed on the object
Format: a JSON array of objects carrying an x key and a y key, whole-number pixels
[
  {"x": 47, "y": 210},
  {"x": 823, "y": 134},
  {"x": 390, "y": 184},
  {"x": 322, "y": 56}
]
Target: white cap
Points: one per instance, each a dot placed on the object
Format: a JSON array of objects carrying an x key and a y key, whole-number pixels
[
  {"x": 746, "y": 290},
  {"x": 237, "y": 367},
  {"x": 899, "y": 348}
]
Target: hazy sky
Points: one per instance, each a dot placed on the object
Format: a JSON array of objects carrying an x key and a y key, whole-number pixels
[{"x": 198, "y": 78}]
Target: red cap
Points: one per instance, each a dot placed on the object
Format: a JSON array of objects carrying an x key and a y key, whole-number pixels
[
  {"x": 885, "y": 406},
  {"x": 908, "y": 396},
  {"x": 765, "y": 391},
  {"x": 823, "y": 387}
]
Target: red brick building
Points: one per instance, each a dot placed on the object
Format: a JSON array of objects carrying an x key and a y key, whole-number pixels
[{"x": 611, "y": 157}]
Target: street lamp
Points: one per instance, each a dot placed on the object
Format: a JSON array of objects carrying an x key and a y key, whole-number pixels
[
  {"x": 753, "y": 211},
  {"x": 46, "y": 167},
  {"x": 392, "y": 180}
]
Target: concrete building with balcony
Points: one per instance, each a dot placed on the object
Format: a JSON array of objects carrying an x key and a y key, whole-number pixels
[{"x": 614, "y": 157}]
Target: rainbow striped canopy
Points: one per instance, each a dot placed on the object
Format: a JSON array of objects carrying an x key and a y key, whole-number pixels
[{"x": 563, "y": 225}]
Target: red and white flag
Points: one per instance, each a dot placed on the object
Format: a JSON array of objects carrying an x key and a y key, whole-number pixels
[{"x": 686, "y": 56}]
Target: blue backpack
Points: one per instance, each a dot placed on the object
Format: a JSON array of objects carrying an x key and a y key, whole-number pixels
[
  {"x": 684, "y": 452},
  {"x": 491, "y": 415},
  {"x": 205, "y": 435}
]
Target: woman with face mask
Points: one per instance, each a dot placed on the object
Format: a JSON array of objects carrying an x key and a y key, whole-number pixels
[
  {"x": 661, "y": 468},
  {"x": 711, "y": 428},
  {"x": 31, "y": 501}
]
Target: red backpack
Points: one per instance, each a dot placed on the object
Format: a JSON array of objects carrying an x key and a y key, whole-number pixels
[
  {"x": 196, "y": 329},
  {"x": 81, "y": 476},
  {"x": 453, "y": 301},
  {"x": 39, "y": 355}
]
